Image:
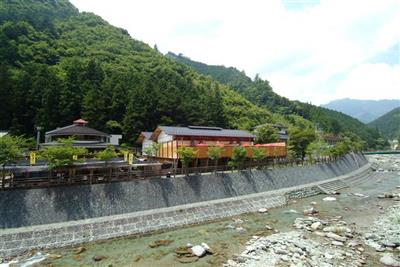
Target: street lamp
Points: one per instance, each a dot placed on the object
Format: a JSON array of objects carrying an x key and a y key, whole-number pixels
[{"x": 38, "y": 129}]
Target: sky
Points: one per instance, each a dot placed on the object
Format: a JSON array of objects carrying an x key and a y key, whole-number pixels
[{"x": 313, "y": 51}]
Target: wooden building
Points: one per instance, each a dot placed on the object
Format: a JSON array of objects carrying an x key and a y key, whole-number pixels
[
  {"x": 200, "y": 137},
  {"x": 85, "y": 136}
]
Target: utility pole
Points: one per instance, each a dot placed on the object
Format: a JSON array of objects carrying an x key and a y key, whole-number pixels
[{"x": 38, "y": 129}]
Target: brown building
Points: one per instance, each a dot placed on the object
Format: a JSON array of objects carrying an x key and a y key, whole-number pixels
[{"x": 201, "y": 137}]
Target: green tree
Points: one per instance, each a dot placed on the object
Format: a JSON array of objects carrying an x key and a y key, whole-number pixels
[
  {"x": 63, "y": 154},
  {"x": 151, "y": 150},
  {"x": 340, "y": 149},
  {"x": 299, "y": 139},
  {"x": 266, "y": 134},
  {"x": 107, "y": 154},
  {"x": 214, "y": 153},
  {"x": 238, "y": 157},
  {"x": 186, "y": 155},
  {"x": 258, "y": 154},
  {"x": 317, "y": 149},
  {"x": 113, "y": 127},
  {"x": 12, "y": 148},
  {"x": 216, "y": 108}
]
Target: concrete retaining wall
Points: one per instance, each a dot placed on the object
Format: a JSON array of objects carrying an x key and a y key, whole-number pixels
[
  {"x": 14, "y": 241},
  {"x": 44, "y": 206}
]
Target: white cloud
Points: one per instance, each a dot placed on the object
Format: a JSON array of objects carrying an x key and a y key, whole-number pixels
[
  {"x": 308, "y": 54},
  {"x": 371, "y": 81}
]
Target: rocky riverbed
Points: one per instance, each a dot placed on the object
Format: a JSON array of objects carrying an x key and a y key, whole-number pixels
[
  {"x": 357, "y": 227},
  {"x": 332, "y": 241},
  {"x": 328, "y": 242},
  {"x": 385, "y": 162}
]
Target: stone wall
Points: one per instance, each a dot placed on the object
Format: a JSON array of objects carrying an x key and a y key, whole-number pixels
[
  {"x": 15, "y": 241},
  {"x": 52, "y": 205},
  {"x": 20, "y": 240}
]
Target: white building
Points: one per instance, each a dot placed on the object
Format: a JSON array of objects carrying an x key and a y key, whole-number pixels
[{"x": 144, "y": 140}]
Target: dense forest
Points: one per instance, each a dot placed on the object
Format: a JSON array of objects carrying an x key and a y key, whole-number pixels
[
  {"x": 57, "y": 64},
  {"x": 260, "y": 93},
  {"x": 389, "y": 124}
]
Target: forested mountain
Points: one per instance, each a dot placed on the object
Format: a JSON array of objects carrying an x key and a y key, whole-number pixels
[
  {"x": 57, "y": 65},
  {"x": 389, "y": 124},
  {"x": 363, "y": 110},
  {"x": 259, "y": 92}
]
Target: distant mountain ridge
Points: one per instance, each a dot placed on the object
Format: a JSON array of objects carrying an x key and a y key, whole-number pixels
[
  {"x": 260, "y": 93},
  {"x": 389, "y": 124},
  {"x": 363, "y": 110}
]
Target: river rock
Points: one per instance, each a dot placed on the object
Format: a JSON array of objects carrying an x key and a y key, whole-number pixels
[
  {"x": 198, "y": 250},
  {"x": 337, "y": 243},
  {"x": 53, "y": 256},
  {"x": 268, "y": 227},
  {"x": 157, "y": 243},
  {"x": 310, "y": 211},
  {"x": 388, "y": 260},
  {"x": 388, "y": 244},
  {"x": 336, "y": 237},
  {"x": 98, "y": 258},
  {"x": 240, "y": 229},
  {"x": 231, "y": 263},
  {"x": 207, "y": 248},
  {"x": 316, "y": 225},
  {"x": 262, "y": 210},
  {"x": 329, "y": 199},
  {"x": 371, "y": 236},
  {"x": 328, "y": 256},
  {"x": 80, "y": 250}
]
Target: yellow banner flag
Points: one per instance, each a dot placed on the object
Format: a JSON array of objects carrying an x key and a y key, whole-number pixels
[
  {"x": 130, "y": 159},
  {"x": 32, "y": 158},
  {"x": 125, "y": 155}
]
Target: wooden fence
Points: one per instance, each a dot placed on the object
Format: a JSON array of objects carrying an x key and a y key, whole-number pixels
[{"x": 111, "y": 174}]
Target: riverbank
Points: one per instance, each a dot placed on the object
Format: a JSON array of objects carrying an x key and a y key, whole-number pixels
[
  {"x": 229, "y": 237},
  {"x": 17, "y": 241}
]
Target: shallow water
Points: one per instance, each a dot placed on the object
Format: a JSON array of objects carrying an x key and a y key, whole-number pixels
[{"x": 135, "y": 251}]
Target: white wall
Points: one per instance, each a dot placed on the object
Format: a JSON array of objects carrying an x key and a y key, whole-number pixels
[
  {"x": 163, "y": 137},
  {"x": 114, "y": 140}
]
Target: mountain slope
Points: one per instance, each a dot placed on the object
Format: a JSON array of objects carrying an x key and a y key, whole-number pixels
[
  {"x": 363, "y": 110},
  {"x": 389, "y": 124},
  {"x": 259, "y": 92},
  {"x": 57, "y": 64}
]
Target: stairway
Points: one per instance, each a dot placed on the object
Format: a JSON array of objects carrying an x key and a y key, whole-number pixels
[
  {"x": 332, "y": 186},
  {"x": 361, "y": 178}
]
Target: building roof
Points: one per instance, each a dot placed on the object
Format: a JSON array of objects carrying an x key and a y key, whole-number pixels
[
  {"x": 201, "y": 131},
  {"x": 80, "y": 121},
  {"x": 76, "y": 129},
  {"x": 142, "y": 136}
]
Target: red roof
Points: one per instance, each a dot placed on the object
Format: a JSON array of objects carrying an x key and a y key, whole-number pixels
[{"x": 80, "y": 121}]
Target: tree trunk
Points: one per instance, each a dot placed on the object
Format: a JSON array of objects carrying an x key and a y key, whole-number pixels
[{"x": 3, "y": 177}]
